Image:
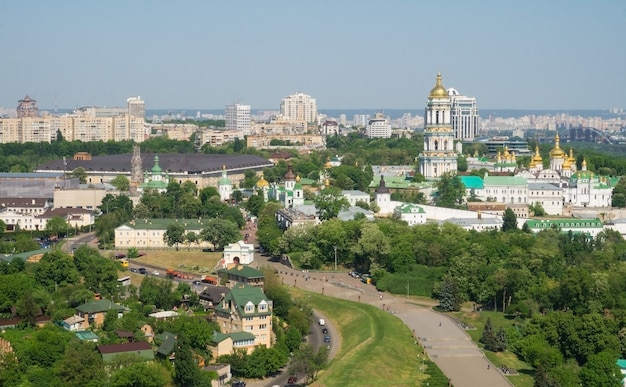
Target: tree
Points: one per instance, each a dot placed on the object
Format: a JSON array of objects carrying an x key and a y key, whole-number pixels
[
  {"x": 81, "y": 365},
  {"x": 28, "y": 309},
  {"x": 601, "y": 370},
  {"x": 237, "y": 196},
  {"x": 174, "y": 235},
  {"x": 3, "y": 227},
  {"x": 461, "y": 163},
  {"x": 509, "y": 220},
  {"x": 186, "y": 371},
  {"x": 56, "y": 226},
  {"x": 81, "y": 174},
  {"x": 140, "y": 374},
  {"x": 306, "y": 360},
  {"x": 329, "y": 202},
  {"x": 190, "y": 238},
  {"x": 450, "y": 191},
  {"x": 121, "y": 182},
  {"x": 255, "y": 203},
  {"x": 220, "y": 232},
  {"x": 449, "y": 297}
]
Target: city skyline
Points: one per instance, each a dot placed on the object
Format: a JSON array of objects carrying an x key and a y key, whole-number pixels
[{"x": 348, "y": 55}]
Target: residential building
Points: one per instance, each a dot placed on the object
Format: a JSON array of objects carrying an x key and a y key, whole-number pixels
[
  {"x": 27, "y": 107},
  {"x": 439, "y": 155},
  {"x": 505, "y": 189},
  {"x": 238, "y": 118},
  {"x": 463, "y": 116},
  {"x": 330, "y": 128},
  {"x": 246, "y": 309},
  {"x": 355, "y": 196},
  {"x": 136, "y": 107},
  {"x": 378, "y": 127},
  {"x": 92, "y": 312},
  {"x": 142, "y": 349},
  {"x": 299, "y": 107},
  {"x": 242, "y": 275},
  {"x": 549, "y": 196},
  {"x": 297, "y": 216}
]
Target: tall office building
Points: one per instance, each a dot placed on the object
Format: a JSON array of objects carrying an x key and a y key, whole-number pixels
[
  {"x": 27, "y": 107},
  {"x": 378, "y": 127},
  {"x": 464, "y": 116},
  {"x": 439, "y": 155},
  {"x": 299, "y": 107},
  {"x": 136, "y": 107},
  {"x": 238, "y": 118}
]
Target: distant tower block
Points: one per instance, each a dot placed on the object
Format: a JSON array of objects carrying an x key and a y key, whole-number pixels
[{"x": 27, "y": 107}]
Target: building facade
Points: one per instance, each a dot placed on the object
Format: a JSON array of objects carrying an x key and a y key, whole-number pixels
[
  {"x": 378, "y": 127},
  {"x": 238, "y": 118},
  {"x": 439, "y": 156},
  {"x": 27, "y": 107},
  {"x": 136, "y": 107},
  {"x": 463, "y": 116},
  {"x": 299, "y": 107}
]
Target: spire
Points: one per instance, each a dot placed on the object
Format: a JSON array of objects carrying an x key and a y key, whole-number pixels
[{"x": 289, "y": 176}]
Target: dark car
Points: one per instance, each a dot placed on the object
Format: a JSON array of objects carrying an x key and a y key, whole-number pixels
[
  {"x": 132, "y": 269},
  {"x": 325, "y": 331},
  {"x": 142, "y": 270},
  {"x": 239, "y": 383},
  {"x": 196, "y": 282},
  {"x": 327, "y": 339},
  {"x": 292, "y": 380}
]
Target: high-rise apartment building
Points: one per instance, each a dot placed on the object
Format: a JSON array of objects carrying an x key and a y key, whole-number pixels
[
  {"x": 238, "y": 118},
  {"x": 463, "y": 116},
  {"x": 27, "y": 107},
  {"x": 378, "y": 127},
  {"x": 136, "y": 107},
  {"x": 439, "y": 155},
  {"x": 299, "y": 107}
]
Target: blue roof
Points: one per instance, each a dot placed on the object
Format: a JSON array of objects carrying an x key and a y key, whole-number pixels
[{"x": 472, "y": 182}]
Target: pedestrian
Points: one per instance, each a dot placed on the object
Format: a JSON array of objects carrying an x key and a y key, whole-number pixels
[
  {"x": 439, "y": 323},
  {"x": 488, "y": 366}
]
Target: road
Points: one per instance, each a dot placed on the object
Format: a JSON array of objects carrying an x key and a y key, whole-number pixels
[{"x": 445, "y": 343}]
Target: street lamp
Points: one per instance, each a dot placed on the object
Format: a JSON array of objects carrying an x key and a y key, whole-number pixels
[{"x": 335, "y": 247}]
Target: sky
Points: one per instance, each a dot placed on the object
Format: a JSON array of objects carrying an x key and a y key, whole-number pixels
[{"x": 533, "y": 54}]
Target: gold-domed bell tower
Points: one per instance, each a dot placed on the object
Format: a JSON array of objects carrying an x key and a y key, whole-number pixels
[{"x": 439, "y": 155}]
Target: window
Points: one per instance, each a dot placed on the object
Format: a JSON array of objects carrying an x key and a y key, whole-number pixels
[{"x": 263, "y": 326}]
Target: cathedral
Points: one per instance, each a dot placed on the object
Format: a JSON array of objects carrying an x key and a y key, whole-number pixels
[{"x": 439, "y": 155}]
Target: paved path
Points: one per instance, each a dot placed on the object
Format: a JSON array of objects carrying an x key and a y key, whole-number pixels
[{"x": 444, "y": 341}]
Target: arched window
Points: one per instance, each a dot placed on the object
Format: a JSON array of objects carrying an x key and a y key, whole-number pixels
[{"x": 436, "y": 145}]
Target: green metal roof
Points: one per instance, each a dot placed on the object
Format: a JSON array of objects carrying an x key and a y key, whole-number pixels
[
  {"x": 168, "y": 342},
  {"x": 96, "y": 306},
  {"x": 243, "y": 271},
  {"x": 472, "y": 182},
  {"x": 504, "y": 180},
  {"x": 399, "y": 182},
  {"x": 24, "y": 256},
  {"x": 621, "y": 363},
  {"x": 410, "y": 208},
  {"x": 86, "y": 335},
  {"x": 240, "y": 296},
  {"x": 564, "y": 223}
]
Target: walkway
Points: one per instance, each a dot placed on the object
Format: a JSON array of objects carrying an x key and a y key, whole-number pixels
[{"x": 444, "y": 341}]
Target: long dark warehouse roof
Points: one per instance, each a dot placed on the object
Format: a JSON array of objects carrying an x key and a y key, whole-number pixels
[{"x": 193, "y": 164}]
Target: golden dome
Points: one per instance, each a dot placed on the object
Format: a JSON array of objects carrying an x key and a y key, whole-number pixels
[
  {"x": 262, "y": 183},
  {"x": 297, "y": 178},
  {"x": 557, "y": 152},
  {"x": 567, "y": 164},
  {"x": 537, "y": 157},
  {"x": 532, "y": 164},
  {"x": 326, "y": 183},
  {"x": 571, "y": 157},
  {"x": 438, "y": 91}
]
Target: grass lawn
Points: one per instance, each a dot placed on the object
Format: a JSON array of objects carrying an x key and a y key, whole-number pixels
[
  {"x": 508, "y": 359},
  {"x": 377, "y": 349},
  {"x": 173, "y": 259}
]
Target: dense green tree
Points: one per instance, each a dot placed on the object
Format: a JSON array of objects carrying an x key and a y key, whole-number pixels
[
  {"x": 186, "y": 371},
  {"x": 81, "y": 174},
  {"x": 140, "y": 374},
  {"x": 28, "y": 309},
  {"x": 461, "y": 163},
  {"x": 509, "y": 220},
  {"x": 601, "y": 370},
  {"x": 308, "y": 361},
  {"x": 157, "y": 292},
  {"x": 329, "y": 202},
  {"x": 174, "y": 234},
  {"x": 86, "y": 372},
  {"x": 449, "y": 297},
  {"x": 121, "y": 182},
  {"x": 450, "y": 191},
  {"x": 190, "y": 238},
  {"x": 255, "y": 203},
  {"x": 55, "y": 268},
  {"x": 56, "y": 227},
  {"x": 220, "y": 232}
]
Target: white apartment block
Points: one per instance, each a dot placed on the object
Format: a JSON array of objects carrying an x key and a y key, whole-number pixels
[
  {"x": 238, "y": 118},
  {"x": 72, "y": 127},
  {"x": 378, "y": 127},
  {"x": 299, "y": 107},
  {"x": 136, "y": 107},
  {"x": 464, "y": 116}
]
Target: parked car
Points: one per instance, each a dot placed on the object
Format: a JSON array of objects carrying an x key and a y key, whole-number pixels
[
  {"x": 327, "y": 339},
  {"x": 239, "y": 383},
  {"x": 142, "y": 270},
  {"x": 292, "y": 380},
  {"x": 325, "y": 331},
  {"x": 132, "y": 269},
  {"x": 155, "y": 272},
  {"x": 196, "y": 282}
]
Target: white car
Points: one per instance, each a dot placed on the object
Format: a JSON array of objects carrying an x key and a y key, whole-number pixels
[{"x": 155, "y": 273}]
